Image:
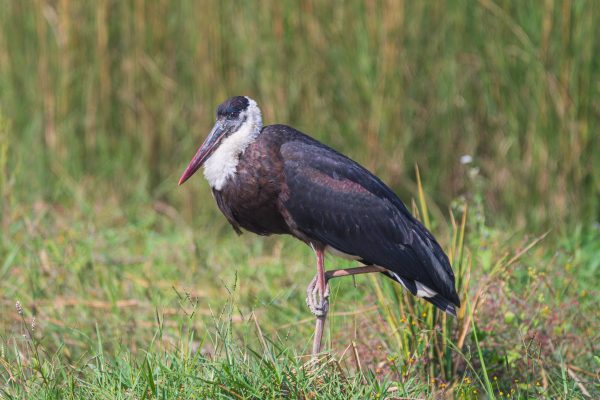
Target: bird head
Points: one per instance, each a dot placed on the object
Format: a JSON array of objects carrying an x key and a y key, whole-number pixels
[{"x": 238, "y": 118}]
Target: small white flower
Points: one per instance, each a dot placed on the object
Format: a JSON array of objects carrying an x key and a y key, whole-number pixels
[
  {"x": 466, "y": 159},
  {"x": 19, "y": 308}
]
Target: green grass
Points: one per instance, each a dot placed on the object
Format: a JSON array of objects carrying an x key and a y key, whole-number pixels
[
  {"x": 134, "y": 288},
  {"x": 131, "y": 302},
  {"x": 129, "y": 89}
]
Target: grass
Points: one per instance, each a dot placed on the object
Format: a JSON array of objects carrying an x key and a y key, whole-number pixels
[
  {"x": 100, "y": 90},
  {"x": 138, "y": 303},
  {"x": 130, "y": 287}
]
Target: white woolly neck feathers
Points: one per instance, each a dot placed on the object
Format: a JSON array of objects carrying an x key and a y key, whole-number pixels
[{"x": 222, "y": 164}]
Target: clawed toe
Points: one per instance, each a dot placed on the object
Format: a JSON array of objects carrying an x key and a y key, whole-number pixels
[
  {"x": 317, "y": 305},
  {"x": 319, "y": 310}
]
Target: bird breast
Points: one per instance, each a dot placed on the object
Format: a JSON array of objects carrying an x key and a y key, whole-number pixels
[{"x": 251, "y": 194}]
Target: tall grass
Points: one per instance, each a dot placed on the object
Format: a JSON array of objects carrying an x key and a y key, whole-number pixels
[
  {"x": 421, "y": 331},
  {"x": 126, "y": 90}
]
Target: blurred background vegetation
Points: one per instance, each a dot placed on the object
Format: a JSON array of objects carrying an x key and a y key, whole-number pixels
[
  {"x": 124, "y": 91},
  {"x": 127, "y": 276}
]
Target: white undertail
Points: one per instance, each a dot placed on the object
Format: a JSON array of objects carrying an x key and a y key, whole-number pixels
[
  {"x": 422, "y": 290},
  {"x": 222, "y": 164}
]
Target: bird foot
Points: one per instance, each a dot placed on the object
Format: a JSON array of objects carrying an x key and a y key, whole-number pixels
[{"x": 317, "y": 305}]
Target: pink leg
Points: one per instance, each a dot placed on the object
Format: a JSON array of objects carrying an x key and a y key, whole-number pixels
[
  {"x": 316, "y": 349},
  {"x": 338, "y": 273},
  {"x": 320, "y": 307}
]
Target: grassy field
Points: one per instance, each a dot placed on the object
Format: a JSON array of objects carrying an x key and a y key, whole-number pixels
[{"x": 115, "y": 283}]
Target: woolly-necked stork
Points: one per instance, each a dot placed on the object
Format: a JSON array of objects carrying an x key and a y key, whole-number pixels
[{"x": 277, "y": 180}]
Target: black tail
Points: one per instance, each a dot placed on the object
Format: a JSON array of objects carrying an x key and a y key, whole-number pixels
[
  {"x": 443, "y": 304},
  {"x": 436, "y": 263},
  {"x": 438, "y": 300}
]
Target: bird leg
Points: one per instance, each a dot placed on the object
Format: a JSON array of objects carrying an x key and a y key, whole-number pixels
[
  {"x": 338, "y": 273},
  {"x": 317, "y": 296},
  {"x": 320, "y": 307}
]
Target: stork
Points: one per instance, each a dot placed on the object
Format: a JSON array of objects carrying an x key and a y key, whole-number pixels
[{"x": 276, "y": 180}]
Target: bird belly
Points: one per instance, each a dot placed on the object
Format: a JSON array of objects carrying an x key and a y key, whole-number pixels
[
  {"x": 338, "y": 253},
  {"x": 261, "y": 220}
]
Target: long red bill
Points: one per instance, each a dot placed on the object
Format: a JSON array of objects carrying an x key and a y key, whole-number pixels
[{"x": 210, "y": 144}]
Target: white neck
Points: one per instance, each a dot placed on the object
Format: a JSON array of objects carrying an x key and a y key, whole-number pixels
[{"x": 222, "y": 164}]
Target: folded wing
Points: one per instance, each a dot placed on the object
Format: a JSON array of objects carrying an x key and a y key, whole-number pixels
[{"x": 336, "y": 201}]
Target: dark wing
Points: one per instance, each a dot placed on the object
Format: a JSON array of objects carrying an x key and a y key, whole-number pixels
[{"x": 336, "y": 201}]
